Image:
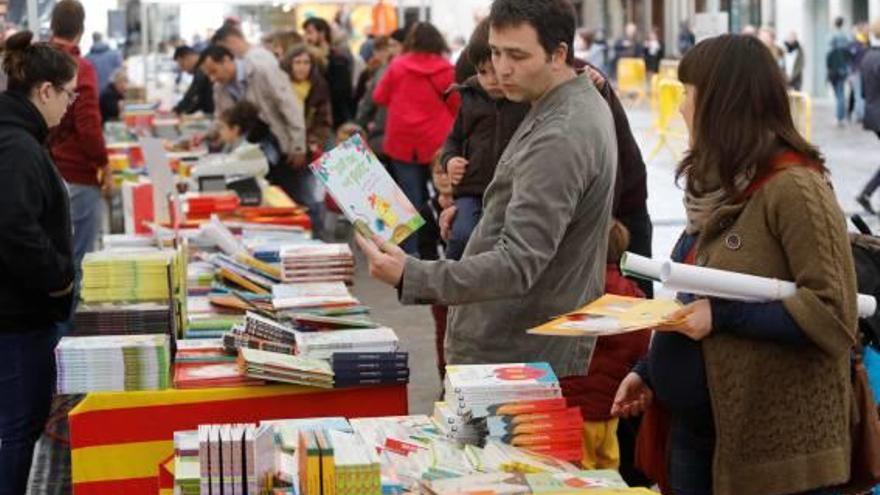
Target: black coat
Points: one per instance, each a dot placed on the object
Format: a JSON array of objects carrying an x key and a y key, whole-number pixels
[
  {"x": 482, "y": 129},
  {"x": 109, "y": 103},
  {"x": 35, "y": 233},
  {"x": 871, "y": 88},
  {"x": 199, "y": 96},
  {"x": 339, "y": 79}
]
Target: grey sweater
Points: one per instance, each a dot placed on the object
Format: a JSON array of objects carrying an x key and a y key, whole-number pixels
[{"x": 539, "y": 249}]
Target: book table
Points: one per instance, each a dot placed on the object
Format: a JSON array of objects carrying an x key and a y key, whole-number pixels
[{"x": 118, "y": 439}]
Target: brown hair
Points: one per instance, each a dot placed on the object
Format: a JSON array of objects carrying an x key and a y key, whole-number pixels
[
  {"x": 381, "y": 42},
  {"x": 68, "y": 19},
  {"x": 618, "y": 241},
  {"x": 742, "y": 115},
  {"x": 477, "y": 49},
  {"x": 425, "y": 38},
  {"x": 296, "y": 51},
  {"x": 28, "y": 65}
]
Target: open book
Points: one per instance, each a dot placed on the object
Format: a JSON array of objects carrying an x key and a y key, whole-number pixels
[
  {"x": 368, "y": 196},
  {"x": 611, "y": 315}
]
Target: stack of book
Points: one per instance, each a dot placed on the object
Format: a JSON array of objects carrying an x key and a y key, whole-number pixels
[
  {"x": 261, "y": 332},
  {"x": 236, "y": 458},
  {"x": 204, "y": 363},
  {"x": 112, "y": 363},
  {"x": 123, "y": 319},
  {"x": 356, "y": 469},
  {"x": 116, "y": 276},
  {"x": 186, "y": 462},
  {"x": 210, "y": 325},
  {"x": 315, "y": 295},
  {"x": 322, "y": 345},
  {"x": 247, "y": 277},
  {"x": 317, "y": 263},
  {"x": 518, "y": 404},
  {"x": 199, "y": 277},
  {"x": 355, "y": 369},
  {"x": 277, "y": 367}
]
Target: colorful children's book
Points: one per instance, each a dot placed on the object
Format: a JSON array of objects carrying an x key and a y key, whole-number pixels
[{"x": 365, "y": 191}]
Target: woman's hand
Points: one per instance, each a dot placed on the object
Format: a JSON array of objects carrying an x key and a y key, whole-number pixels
[
  {"x": 693, "y": 320},
  {"x": 633, "y": 397}
]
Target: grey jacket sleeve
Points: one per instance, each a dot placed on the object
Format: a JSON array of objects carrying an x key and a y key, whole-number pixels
[
  {"x": 280, "y": 94},
  {"x": 547, "y": 189}
]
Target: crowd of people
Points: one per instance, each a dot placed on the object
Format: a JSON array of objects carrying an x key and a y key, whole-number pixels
[{"x": 521, "y": 158}]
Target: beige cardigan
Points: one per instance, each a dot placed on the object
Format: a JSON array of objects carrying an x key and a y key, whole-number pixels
[{"x": 782, "y": 412}]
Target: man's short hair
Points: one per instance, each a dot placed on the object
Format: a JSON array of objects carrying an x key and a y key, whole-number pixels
[
  {"x": 227, "y": 30},
  {"x": 182, "y": 51},
  {"x": 554, "y": 20},
  {"x": 68, "y": 19},
  {"x": 838, "y": 22},
  {"x": 321, "y": 26},
  {"x": 217, "y": 53}
]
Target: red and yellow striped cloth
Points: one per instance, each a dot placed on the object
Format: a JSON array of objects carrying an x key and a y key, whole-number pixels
[{"x": 118, "y": 439}]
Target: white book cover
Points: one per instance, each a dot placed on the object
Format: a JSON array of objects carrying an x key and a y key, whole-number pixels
[
  {"x": 513, "y": 376},
  {"x": 365, "y": 192}
]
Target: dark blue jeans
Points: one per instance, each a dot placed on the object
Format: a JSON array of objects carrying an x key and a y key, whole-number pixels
[
  {"x": 413, "y": 180},
  {"x": 469, "y": 209},
  {"x": 27, "y": 382},
  {"x": 839, "y": 99}
]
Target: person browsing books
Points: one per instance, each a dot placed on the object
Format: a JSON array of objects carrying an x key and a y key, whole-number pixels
[
  {"x": 539, "y": 249},
  {"x": 36, "y": 247},
  {"x": 758, "y": 395}
]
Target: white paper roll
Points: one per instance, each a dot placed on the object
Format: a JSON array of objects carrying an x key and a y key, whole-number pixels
[
  {"x": 634, "y": 265},
  {"x": 738, "y": 286}
]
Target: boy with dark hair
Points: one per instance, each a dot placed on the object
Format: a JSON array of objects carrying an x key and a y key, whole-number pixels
[{"x": 485, "y": 123}]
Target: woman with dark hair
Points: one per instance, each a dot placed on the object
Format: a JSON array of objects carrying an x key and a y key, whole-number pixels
[
  {"x": 313, "y": 93},
  {"x": 36, "y": 260},
  {"x": 419, "y": 117},
  {"x": 758, "y": 394}
]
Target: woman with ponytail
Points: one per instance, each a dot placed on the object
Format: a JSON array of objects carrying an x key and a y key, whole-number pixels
[{"x": 36, "y": 267}]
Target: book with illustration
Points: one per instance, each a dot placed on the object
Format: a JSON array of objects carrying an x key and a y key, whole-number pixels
[
  {"x": 365, "y": 192},
  {"x": 611, "y": 315}
]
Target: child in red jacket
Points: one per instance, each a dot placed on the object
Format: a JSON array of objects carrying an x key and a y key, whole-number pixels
[{"x": 612, "y": 359}]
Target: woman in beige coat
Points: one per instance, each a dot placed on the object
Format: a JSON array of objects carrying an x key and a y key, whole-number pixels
[{"x": 758, "y": 394}]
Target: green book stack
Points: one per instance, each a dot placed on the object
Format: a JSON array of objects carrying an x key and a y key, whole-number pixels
[
  {"x": 137, "y": 275},
  {"x": 112, "y": 363}
]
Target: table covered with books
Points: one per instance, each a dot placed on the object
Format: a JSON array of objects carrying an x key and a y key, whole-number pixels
[
  {"x": 119, "y": 438},
  {"x": 227, "y": 355}
]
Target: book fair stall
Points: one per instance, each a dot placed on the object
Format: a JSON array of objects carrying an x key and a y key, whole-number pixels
[{"x": 221, "y": 350}]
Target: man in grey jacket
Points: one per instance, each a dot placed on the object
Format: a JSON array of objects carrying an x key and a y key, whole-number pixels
[
  {"x": 262, "y": 83},
  {"x": 539, "y": 250}
]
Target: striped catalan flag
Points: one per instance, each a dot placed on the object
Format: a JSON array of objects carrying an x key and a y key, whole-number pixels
[{"x": 118, "y": 439}]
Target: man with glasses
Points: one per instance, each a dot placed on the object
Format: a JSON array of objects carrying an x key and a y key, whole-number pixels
[{"x": 77, "y": 145}]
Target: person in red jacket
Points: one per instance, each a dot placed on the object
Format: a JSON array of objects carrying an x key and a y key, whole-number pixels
[
  {"x": 419, "y": 117},
  {"x": 613, "y": 357},
  {"x": 77, "y": 144}
]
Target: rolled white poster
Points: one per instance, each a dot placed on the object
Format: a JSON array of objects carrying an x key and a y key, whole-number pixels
[
  {"x": 738, "y": 286},
  {"x": 634, "y": 265}
]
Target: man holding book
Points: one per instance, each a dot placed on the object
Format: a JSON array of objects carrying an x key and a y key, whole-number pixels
[{"x": 539, "y": 250}]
